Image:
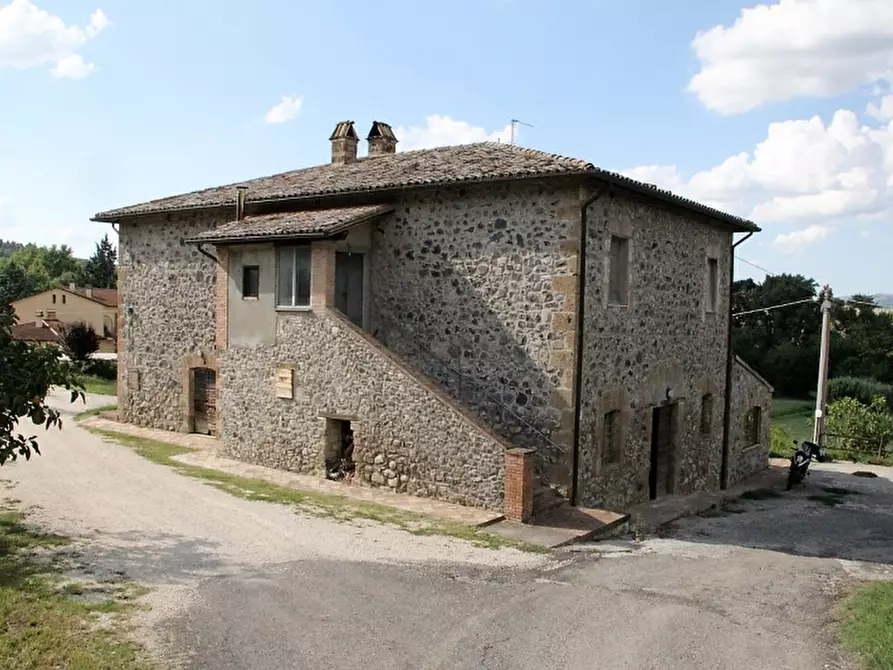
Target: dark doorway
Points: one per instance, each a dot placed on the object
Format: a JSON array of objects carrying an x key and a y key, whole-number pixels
[
  {"x": 349, "y": 272},
  {"x": 339, "y": 449},
  {"x": 204, "y": 401},
  {"x": 660, "y": 481}
]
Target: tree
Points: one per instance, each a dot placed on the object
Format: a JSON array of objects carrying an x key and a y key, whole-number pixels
[
  {"x": 26, "y": 375},
  {"x": 79, "y": 341},
  {"x": 14, "y": 284},
  {"x": 99, "y": 272},
  {"x": 860, "y": 427}
]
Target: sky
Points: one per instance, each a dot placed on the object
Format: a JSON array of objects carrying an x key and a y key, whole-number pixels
[{"x": 780, "y": 112}]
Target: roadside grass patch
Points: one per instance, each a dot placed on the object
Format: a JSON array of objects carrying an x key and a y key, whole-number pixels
[
  {"x": 98, "y": 385},
  {"x": 325, "y": 505},
  {"x": 94, "y": 412},
  {"x": 868, "y": 625},
  {"x": 45, "y": 622}
]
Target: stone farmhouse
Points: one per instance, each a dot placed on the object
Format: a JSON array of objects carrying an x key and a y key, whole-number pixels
[{"x": 484, "y": 324}]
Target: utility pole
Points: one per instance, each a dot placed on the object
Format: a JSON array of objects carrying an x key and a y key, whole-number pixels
[{"x": 818, "y": 435}]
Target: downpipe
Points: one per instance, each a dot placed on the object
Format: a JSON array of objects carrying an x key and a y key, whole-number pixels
[{"x": 730, "y": 357}]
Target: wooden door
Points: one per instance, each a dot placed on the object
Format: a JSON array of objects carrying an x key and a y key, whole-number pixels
[
  {"x": 662, "y": 451},
  {"x": 204, "y": 401}
]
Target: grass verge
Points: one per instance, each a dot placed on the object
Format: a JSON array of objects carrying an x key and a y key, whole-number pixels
[
  {"x": 94, "y": 412},
  {"x": 93, "y": 384},
  {"x": 868, "y": 625},
  {"x": 338, "y": 508},
  {"x": 51, "y": 624}
]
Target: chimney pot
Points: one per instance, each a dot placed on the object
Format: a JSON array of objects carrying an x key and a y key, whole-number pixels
[
  {"x": 89, "y": 291},
  {"x": 381, "y": 139},
  {"x": 72, "y": 286},
  {"x": 241, "y": 191},
  {"x": 344, "y": 143}
]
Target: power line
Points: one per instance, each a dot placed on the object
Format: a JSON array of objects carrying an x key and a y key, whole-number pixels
[{"x": 771, "y": 307}]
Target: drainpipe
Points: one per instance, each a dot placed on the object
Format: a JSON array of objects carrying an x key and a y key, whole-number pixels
[
  {"x": 578, "y": 355},
  {"x": 727, "y": 418}
]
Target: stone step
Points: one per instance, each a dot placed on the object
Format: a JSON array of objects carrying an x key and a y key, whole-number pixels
[{"x": 545, "y": 498}]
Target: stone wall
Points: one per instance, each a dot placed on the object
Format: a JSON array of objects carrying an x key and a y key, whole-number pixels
[
  {"x": 476, "y": 287},
  {"x": 166, "y": 292},
  {"x": 749, "y": 390},
  {"x": 407, "y": 434},
  {"x": 663, "y": 341}
]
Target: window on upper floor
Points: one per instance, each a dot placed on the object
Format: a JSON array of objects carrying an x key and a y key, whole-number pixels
[
  {"x": 612, "y": 437},
  {"x": 293, "y": 276},
  {"x": 54, "y": 298},
  {"x": 706, "y": 413},
  {"x": 250, "y": 281},
  {"x": 63, "y": 298},
  {"x": 712, "y": 285},
  {"x": 618, "y": 271}
]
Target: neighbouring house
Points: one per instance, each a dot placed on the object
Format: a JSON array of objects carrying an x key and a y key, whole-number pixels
[
  {"x": 470, "y": 323},
  {"x": 51, "y": 310}
]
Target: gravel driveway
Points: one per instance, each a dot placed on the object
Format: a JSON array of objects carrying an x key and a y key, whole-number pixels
[{"x": 240, "y": 584}]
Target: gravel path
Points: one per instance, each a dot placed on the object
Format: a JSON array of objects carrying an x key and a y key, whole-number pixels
[{"x": 240, "y": 584}]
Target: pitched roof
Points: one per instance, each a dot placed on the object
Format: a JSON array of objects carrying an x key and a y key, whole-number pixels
[
  {"x": 106, "y": 296},
  {"x": 32, "y": 332},
  {"x": 482, "y": 162},
  {"x": 311, "y": 223}
]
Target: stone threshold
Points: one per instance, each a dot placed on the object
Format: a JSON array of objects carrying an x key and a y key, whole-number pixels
[
  {"x": 206, "y": 454},
  {"x": 564, "y": 525}
]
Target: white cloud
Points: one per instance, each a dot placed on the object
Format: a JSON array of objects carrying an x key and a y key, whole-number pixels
[
  {"x": 72, "y": 67},
  {"x": 286, "y": 110},
  {"x": 883, "y": 111},
  {"x": 441, "y": 131},
  {"x": 31, "y": 37},
  {"x": 800, "y": 239},
  {"x": 793, "y": 48},
  {"x": 804, "y": 170}
]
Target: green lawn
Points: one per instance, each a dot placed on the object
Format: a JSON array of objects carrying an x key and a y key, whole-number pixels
[
  {"x": 99, "y": 385},
  {"x": 868, "y": 625},
  {"x": 794, "y": 417},
  {"x": 47, "y": 622}
]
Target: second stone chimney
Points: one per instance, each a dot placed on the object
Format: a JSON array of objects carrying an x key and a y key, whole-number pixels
[
  {"x": 381, "y": 140},
  {"x": 344, "y": 143}
]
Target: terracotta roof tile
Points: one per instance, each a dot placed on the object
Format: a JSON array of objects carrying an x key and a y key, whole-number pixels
[
  {"x": 106, "y": 296},
  {"x": 32, "y": 332},
  {"x": 309, "y": 223},
  {"x": 486, "y": 161}
]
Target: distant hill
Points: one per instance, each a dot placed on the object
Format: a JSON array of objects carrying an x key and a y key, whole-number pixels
[{"x": 884, "y": 299}]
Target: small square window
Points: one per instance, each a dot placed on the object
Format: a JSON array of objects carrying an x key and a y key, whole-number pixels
[
  {"x": 612, "y": 437},
  {"x": 250, "y": 281},
  {"x": 706, "y": 414},
  {"x": 712, "y": 284},
  {"x": 618, "y": 271}
]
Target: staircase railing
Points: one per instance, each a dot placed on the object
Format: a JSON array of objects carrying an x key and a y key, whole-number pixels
[{"x": 469, "y": 390}]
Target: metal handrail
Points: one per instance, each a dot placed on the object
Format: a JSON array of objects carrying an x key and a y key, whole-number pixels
[{"x": 464, "y": 381}]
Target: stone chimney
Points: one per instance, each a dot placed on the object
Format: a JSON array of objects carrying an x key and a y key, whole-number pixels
[
  {"x": 72, "y": 286},
  {"x": 344, "y": 143},
  {"x": 88, "y": 292},
  {"x": 381, "y": 139}
]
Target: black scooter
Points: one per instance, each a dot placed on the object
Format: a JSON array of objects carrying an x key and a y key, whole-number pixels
[{"x": 804, "y": 454}]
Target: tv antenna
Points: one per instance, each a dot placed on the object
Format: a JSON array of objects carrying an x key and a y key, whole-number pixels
[{"x": 515, "y": 123}]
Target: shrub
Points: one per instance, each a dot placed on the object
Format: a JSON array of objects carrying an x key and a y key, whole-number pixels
[
  {"x": 858, "y": 427},
  {"x": 862, "y": 389},
  {"x": 79, "y": 341},
  {"x": 101, "y": 368},
  {"x": 781, "y": 444}
]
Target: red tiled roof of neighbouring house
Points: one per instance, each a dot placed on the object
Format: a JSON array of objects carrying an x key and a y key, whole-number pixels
[
  {"x": 468, "y": 163},
  {"x": 34, "y": 332},
  {"x": 106, "y": 296}
]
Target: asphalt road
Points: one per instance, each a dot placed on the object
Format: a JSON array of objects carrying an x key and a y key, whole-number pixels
[{"x": 253, "y": 585}]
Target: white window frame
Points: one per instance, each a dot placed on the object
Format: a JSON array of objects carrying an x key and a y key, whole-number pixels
[{"x": 294, "y": 278}]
